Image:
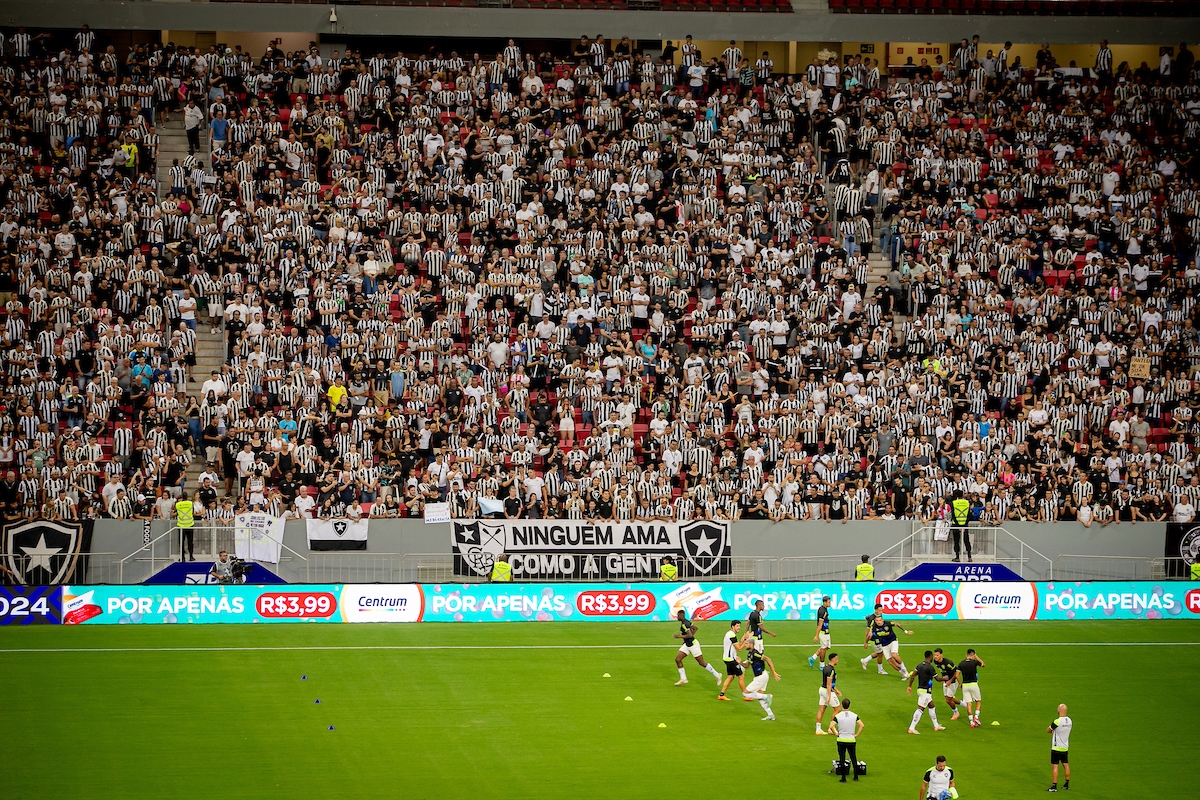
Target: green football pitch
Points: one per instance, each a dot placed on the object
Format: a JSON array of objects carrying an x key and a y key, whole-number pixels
[{"x": 523, "y": 710}]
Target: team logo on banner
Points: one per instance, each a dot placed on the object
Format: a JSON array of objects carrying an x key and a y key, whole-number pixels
[
  {"x": 479, "y": 543},
  {"x": 564, "y": 549},
  {"x": 41, "y": 552},
  {"x": 340, "y": 526},
  {"x": 1189, "y": 545},
  {"x": 705, "y": 544}
]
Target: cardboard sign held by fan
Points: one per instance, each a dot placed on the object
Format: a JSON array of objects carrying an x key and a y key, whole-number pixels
[{"x": 1139, "y": 367}]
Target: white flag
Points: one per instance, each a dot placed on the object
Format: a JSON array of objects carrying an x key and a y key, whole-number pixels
[
  {"x": 490, "y": 505},
  {"x": 258, "y": 536}
]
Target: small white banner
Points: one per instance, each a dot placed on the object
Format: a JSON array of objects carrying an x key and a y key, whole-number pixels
[
  {"x": 258, "y": 536},
  {"x": 437, "y": 512}
]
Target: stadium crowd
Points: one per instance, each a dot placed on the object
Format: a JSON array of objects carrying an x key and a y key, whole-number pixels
[{"x": 609, "y": 286}]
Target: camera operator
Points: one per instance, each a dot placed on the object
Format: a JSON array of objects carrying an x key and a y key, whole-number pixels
[{"x": 222, "y": 568}]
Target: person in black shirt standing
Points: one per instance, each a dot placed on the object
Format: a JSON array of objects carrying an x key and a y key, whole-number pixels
[
  {"x": 828, "y": 695},
  {"x": 925, "y": 674},
  {"x": 967, "y": 673},
  {"x": 822, "y": 636},
  {"x": 754, "y": 621},
  {"x": 687, "y": 632}
]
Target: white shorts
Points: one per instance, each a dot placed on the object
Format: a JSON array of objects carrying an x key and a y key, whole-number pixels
[
  {"x": 825, "y": 640},
  {"x": 924, "y": 698},
  {"x": 824, "y": 698},
  {"x": 691, "y": 650},
  {"x": 759, "y": 683},
  {"x": 970, "y": 692},
  {"x": 889, "y": 650},
  {"x": 949, "y": 689}
]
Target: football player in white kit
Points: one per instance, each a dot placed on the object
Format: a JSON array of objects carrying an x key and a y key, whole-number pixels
[{"x": 690, "y": 647}]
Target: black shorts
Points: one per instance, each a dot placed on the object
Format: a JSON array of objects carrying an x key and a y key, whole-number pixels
[
  {"x": 733, "y": 668},
  {"x": 1058, "y": 756}
]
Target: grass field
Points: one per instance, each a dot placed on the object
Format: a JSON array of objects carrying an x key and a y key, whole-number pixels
[{"x": 521, "y": 710}]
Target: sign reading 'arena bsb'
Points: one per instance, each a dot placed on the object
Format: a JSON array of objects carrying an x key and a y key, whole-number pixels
[{"x": 575, "y": 548}]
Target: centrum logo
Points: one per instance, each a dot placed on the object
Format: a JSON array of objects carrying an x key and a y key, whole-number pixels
[
  {"x": 1001, "y": 601},
  {"x": 382, "y": 603},
  {"x": 997, "y": 601}
]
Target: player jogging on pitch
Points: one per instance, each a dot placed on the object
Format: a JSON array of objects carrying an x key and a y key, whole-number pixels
[
  {"x": 925, "y": 675},
  {"x": 760, "y": 663},
  {"x": 967, "y": 673},
  {"x": 733, "y": 665},
  {"x": 1060, "y": 730},
  {"x": 822, "y": 637},
  {"x": 883, "y": 633},
  {"x": 949, "y": 685},
  {"x": 870, "y": 638},
  {"x": 828, "y": 695},
  {"x": 690, "y": 647}
]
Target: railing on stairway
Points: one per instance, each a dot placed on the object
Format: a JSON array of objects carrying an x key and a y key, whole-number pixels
[
  {"x": 166, "y": 548},
  {"x": 990, "y": 544}
]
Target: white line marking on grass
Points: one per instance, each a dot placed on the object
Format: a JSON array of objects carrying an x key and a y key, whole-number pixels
[{"x": 253, "y": 648}]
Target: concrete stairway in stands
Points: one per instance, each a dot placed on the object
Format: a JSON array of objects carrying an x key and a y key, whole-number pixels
[
  {"x": 172, "y": 144},
  {"x": 210, "y": 347}
]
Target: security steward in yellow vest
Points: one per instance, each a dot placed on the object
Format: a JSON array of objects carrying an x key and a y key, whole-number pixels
[
  {"x": 865, "y": 571},
  {"x": 185, "y": 520},
  {"x": 960, "y": 510},
  {"x": 668, "y": 571},
  {"x": 1194, "y": 572},
  {"x": 501, "y": 570}
]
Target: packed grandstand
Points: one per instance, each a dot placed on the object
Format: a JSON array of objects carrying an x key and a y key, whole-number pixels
[{"x": 606, "y": 285}]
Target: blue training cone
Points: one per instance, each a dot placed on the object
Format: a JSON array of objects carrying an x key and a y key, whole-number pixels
[
  {"x": 303, "y": 677},
  {"x": 330, "y": 727},
  {"x": 316, "y": 701}
]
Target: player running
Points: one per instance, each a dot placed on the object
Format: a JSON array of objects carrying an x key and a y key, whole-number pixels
[
  {"x": 828, "y": 694},
  {"x": 967, "y": 673},
  {"x": 870, "y": 638},
  {"x": 760, "y": 662},
  {"x": 925, "y": 674},
  {"x": 690, "y": 647},
  {"x": 883, "y": 633},
  {"x": 1060, "y": 730},
  {"x": 949, "y": 685},
  {"x": 822, "y": 637},
  {"x": 733, "y": 665}
]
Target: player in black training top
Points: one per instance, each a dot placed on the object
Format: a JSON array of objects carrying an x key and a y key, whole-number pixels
[
  {"x": 926, "y": 674},
  {"x": 822, "y": 637},
  {"x": 949, "y": 686},
  {"x": 968, "y": 675},
  {"x": 754, "y": 621},
  {"x": 883, "y": 633},
  {"x": 687, "y": 632},
  {"x": 828, "y": 695},
  {"x": 870, "y": 640}
]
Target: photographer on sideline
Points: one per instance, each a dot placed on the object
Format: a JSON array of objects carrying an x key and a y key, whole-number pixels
[{"x": 222, "y": 568}]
